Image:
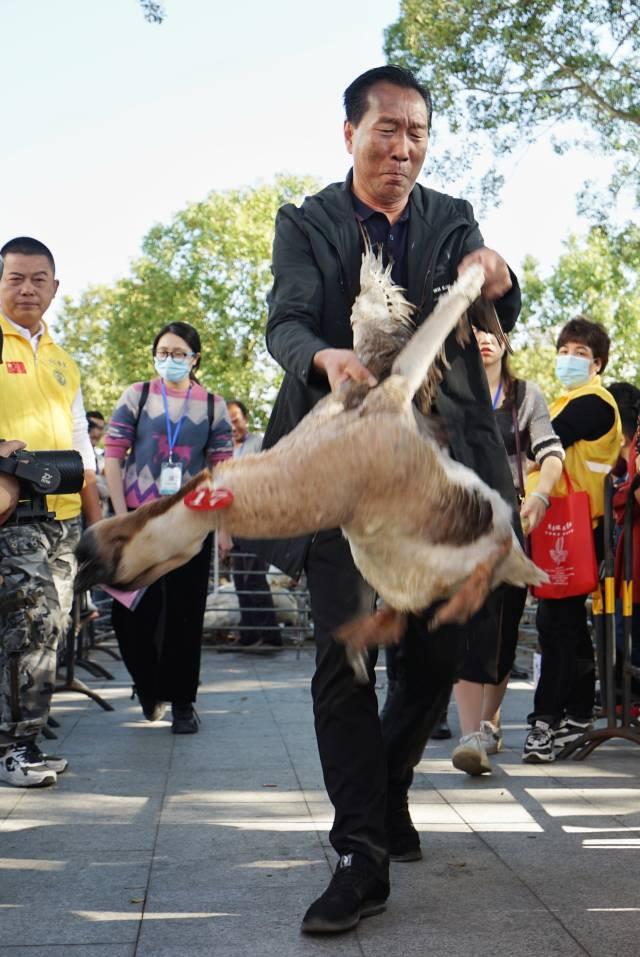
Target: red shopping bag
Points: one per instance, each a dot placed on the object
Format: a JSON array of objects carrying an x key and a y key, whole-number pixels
[{"x": 562, "y": 545}]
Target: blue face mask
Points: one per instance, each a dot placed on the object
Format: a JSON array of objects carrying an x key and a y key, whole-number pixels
[
  {"x": 572, "y": 370},
  {"x": 173, "y": 370}
]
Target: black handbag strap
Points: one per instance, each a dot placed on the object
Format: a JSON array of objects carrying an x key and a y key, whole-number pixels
[{"x": 516, "y": 431}]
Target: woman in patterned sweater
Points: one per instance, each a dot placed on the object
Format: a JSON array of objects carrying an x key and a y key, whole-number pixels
[
  {"x": 166, "y": 431},
  {"x": 523, "y": 419}
]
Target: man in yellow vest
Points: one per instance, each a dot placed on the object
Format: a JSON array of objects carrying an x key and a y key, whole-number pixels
[
  {"x": 40, "y": 405},
  {"x": 586, "y": 419}
]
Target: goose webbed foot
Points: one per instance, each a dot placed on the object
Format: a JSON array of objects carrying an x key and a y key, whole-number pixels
[
  {"x": 385, "y": 627},
  {"x": 473, "y": 592}
]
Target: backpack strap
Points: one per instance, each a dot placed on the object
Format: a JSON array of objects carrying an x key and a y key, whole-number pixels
[{"x": 144, "y": 395}]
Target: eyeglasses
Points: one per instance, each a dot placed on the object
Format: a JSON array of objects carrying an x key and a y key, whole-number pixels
[{"x": 173, "y": 354}]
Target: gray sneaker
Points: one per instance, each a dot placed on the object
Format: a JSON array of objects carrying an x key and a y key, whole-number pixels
[
  {"x": 491, "y": 737},
  {"x": 470, "y": 755}
]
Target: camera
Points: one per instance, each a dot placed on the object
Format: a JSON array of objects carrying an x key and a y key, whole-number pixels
[{"x": 41, "y": 474}]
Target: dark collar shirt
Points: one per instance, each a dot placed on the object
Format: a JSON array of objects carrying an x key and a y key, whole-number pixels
[{"x": 392, "y": 239}]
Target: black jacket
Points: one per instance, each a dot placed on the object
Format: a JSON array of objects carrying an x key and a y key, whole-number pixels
[{"x": 316, "y": 268}]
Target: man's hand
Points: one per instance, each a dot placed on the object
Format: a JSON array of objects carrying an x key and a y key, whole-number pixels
[
  {"x": 340, "y": 365},
  {"x": 9, "y": 487},
  {"x": 497, "y": 281},
  {"x": 91, "y": 508}
]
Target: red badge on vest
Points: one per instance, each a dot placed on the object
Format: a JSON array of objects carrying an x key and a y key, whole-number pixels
[{"x": 14, "y": 368}]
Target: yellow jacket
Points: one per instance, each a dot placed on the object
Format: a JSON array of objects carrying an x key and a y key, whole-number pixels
[
  {"x": 36, "y": 396},
  {"x": 586, "y": 462}
]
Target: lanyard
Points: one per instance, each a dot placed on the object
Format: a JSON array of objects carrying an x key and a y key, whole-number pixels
[
  {"x": 172, "y": 438},
  {"x": 496, "y": 398}
]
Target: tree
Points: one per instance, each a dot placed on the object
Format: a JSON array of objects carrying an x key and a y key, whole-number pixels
[
  {"x": 505, "y": 72},
  {"x": 598, "y": 277},
  {"x": 153, "y": 11},
  {"x": 209, "y": 266}
]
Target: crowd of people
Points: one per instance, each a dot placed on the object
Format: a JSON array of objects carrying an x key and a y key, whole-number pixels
[{"x": 164, "y": 430}]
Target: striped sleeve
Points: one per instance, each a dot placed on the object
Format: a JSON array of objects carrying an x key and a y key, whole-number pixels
[
  {"x": 544, "y": 441},
  {"x": 220, "y": 444},
  {"x": 121, "y": 430}
]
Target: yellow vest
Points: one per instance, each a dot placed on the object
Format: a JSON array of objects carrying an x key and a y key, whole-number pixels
[
  {"x": 587, "y": 462},
  {"x": 36, "y": 395}
]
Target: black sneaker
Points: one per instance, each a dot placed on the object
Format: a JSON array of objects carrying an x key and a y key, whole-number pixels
[
  {"x": 538, "y": 746},
  {"x": 402, "y": 838},
  {"x": 353, "y": 893},
  {"x": 569, "y": 730},
  {"x": 185, "y": 719}
]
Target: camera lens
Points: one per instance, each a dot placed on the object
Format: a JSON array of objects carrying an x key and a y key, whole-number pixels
[{"x": 69, "y": 465}]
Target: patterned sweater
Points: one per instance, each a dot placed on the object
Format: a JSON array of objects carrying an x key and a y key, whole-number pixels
[
  {"x": 537, "y": 438},
  {"x": 148, "y": 446}
]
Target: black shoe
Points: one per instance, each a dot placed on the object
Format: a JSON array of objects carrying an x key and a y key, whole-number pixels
[
  {"x": 185, "y": 719},
  {"x": 402, "y": 838},
  {"x": 354, "y": 892},
  {"x": 441, "y": 730}
]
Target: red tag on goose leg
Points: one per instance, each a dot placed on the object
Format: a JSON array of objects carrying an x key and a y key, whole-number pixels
[{"x": 208, "y": 499}]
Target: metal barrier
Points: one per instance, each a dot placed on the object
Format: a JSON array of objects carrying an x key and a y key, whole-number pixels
[
  {"x": 71, "y": 654},
  {"x": 604, "y": 616},
  {"x": 269, "y": 598}
]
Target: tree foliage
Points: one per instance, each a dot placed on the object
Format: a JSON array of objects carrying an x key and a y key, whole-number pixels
[
  {"x": 209, "y": 266},
  {"x": 152, "y": 10},
  {"x": 598, "y": 277},
  {"x": 504, "y": 72}
]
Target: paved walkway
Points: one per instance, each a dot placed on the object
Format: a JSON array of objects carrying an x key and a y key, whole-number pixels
[{"x": 214, "y": 844}]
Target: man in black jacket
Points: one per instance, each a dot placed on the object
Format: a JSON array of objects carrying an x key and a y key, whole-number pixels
[{"x": 430, "y": 238}]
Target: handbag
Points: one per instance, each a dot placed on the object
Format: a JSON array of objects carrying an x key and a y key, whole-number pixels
[{"x": 562, "y": 545}]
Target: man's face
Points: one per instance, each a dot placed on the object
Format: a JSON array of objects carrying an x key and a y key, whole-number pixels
[
  {"x": 96, "y": 431},
  {"x": 26, "y": 289},
  {"x": 239, "y": 425},
  {"x": 389, "y": 144},
  {"x": 584, "y": 352}
]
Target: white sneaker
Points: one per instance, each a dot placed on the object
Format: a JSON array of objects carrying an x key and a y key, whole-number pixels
[
  {"x": 23, "y": 766},
  {"x": 55, "y": 763},
  {"x": 470, "y": 755},
  {"x": 491, "y": 737}
]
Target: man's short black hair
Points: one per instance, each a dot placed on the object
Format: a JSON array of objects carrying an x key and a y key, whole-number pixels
[
  {"x": 627, "y": 398},
  {"x": 26, "y": 246},
  {"x": 356, "y": 95},
  {"x": 240, "y": 405},
  {"x": 590, "y": 334},
  {"x": 95, "y": 414}
]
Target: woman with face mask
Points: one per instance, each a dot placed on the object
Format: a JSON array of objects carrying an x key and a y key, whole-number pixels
[
  {"x": 523, "y": 420},
  {"x": 586, "y": 419},
  {"x": 166, "y": 431}
]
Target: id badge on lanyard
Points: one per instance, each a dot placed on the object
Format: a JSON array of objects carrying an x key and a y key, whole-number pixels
[
  {"x": 170, "y": 477},
  {"x": 171, "y": 471}
]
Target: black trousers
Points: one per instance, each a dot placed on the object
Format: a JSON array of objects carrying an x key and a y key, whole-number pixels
[
  {"x": 160, "y": 641},
  {"x": 257, "y": 614},
  {"x": 567, "y": 675},
  {"x": 368, "y": 760}
]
